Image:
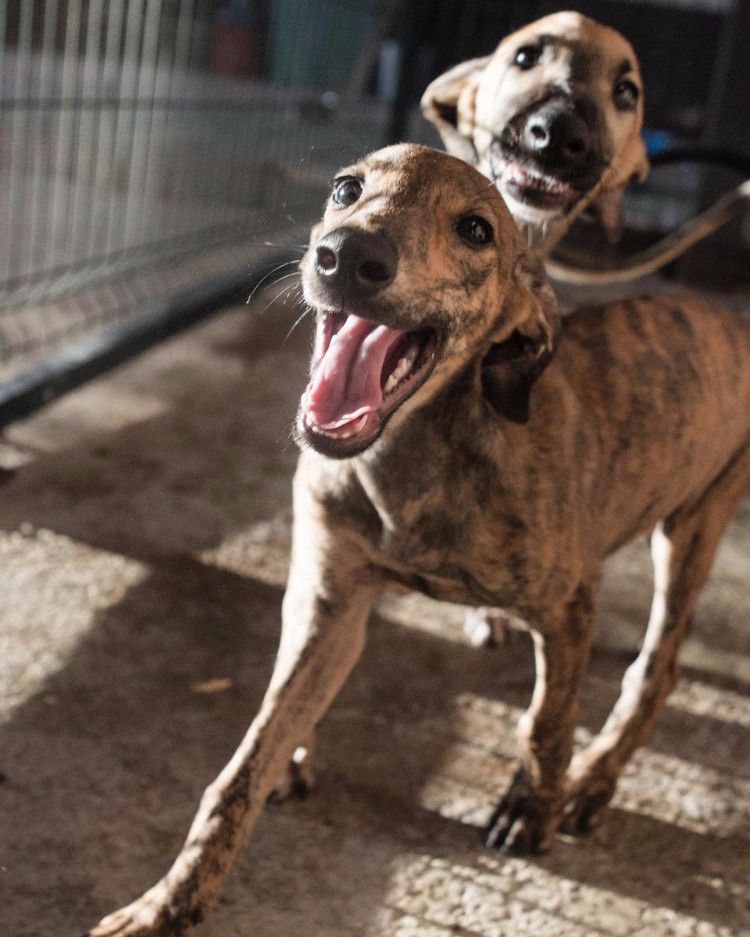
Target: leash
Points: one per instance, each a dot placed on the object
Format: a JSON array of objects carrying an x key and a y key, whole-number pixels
[{"x": 729, "y": 206}]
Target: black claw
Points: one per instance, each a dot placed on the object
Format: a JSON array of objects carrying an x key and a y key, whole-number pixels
[
  {"x": 495, "y": 837},
  {"x": 501, "y": 821},
  {"x": 515, "y": 827},
  {"x": 584, "y": 812}
]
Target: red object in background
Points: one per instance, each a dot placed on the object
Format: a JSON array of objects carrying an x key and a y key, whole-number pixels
[{"x": 234, "y": 50}]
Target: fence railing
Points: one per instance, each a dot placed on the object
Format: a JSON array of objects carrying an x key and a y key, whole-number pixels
[{"x": 146, "y": 143}]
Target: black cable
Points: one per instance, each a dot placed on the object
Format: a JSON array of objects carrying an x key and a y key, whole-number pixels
[{"x": 715, "y": 155}]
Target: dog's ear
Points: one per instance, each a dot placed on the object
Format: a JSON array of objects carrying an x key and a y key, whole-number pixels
[
  {"x": 449, "y": 102},
  {"x": 633, "y": 166},
  {"x": 511, "y": 366},
  {"x": 541, "y": 322}
]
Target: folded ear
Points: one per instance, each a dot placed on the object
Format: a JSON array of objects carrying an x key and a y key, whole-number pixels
[
  {"x": 511, "y": 366},
  {"x": 541, "y": 322},
  {"x": 449, "y": 102},
  {"x": 632, "y": 166}
]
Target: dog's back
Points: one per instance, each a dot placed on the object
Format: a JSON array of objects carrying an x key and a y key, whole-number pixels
[{"x": 667, "y": 380}]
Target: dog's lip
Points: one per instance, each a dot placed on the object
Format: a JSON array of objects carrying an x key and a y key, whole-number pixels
[
  {"x": 538, "y": 188},
  {"x": 378, "y": 367},
  {"x": 534, "y": 184}
]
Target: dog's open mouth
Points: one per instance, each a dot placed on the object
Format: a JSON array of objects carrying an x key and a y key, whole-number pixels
[
  {"x": 361, "y": 373},
  {"x": 533, "y": 187}
]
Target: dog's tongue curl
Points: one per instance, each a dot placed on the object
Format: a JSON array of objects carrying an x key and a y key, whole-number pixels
[
  {"x": 346, "y": 384},
  {"x": 361, "y": 372}
]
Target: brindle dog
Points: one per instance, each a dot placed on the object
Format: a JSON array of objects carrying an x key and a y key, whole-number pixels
[
  {"x": 458, "y": 439},
  {"x": 553, "y": 116}
]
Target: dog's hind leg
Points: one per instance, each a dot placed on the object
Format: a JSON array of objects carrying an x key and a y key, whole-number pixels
[
  {"x": 325, "y": 610},
  {"x": 527, "y": 817},
  {"x": 683, "y": 549}
]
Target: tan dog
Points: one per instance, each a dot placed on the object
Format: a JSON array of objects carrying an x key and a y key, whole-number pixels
[
  {"x": 553, "y": 116},
  {"x": 462, "y": 442}
]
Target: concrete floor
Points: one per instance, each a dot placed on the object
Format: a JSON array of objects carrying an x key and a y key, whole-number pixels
[{"x": 144, "y": 526}]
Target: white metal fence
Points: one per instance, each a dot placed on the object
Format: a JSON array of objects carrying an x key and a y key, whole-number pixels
[{"x": 150, "y": 135}]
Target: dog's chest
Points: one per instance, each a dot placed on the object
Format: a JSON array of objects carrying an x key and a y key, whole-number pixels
[{"x": 447, "y": 533}]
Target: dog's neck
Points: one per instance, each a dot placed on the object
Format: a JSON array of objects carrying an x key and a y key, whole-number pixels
[
  {"x": 416, "y": 496},
  {"x": 447, "y": 445}
]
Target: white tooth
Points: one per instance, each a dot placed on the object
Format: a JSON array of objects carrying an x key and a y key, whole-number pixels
[
  {"x": 401, "y": 369},
  {"x": 358, "y": 426},
  {"x": 319, "y": 431},
  {"x": 395, "y": 376}
]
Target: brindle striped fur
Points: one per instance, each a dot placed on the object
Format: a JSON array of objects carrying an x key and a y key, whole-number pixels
[{"x": 639, "y": 423}]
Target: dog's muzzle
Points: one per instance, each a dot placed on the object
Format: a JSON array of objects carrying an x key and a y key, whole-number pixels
[
  {"x": 557, "y": 137},
  {"x": 362, "y": 369},
  {"x": 549, "y": 156},
  {"x": 354, "y": 262}
]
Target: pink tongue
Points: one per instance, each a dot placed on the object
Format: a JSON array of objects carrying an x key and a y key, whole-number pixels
[{"x": 346, "y": 383}]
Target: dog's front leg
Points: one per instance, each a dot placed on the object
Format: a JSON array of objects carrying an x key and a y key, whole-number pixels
[
  {"x": 528, "y": 815},
  {"x": 324, "y": 615}
]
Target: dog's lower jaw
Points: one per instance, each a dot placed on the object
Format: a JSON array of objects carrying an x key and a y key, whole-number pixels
[
  {"x": 545, "y": 207},
  {"x": 344, "y": 445}
]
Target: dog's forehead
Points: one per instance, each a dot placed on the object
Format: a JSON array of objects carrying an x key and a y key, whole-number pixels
[
  {"x": 588, "y": 47},
  {"x": 409, "y": 174},
  {"x": 606, "y": 51}
]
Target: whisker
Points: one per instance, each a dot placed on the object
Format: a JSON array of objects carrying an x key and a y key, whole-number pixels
[
  {"x": 292, "y": 247},
  {"x": 300, "y": 318},
  {"x": 274, "y": 299},
  {"x": 267, "y": 276}
]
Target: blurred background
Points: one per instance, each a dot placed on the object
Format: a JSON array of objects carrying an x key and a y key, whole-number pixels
[{"x": 157, "y": 155}]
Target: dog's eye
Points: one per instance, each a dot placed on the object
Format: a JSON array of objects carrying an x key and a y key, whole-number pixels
[
  {"x": 474, "y": 230},
  {"x": 527, "y": 57},
  {"x": 626, "y": 94},
  {"x": 346, "y": 191}
]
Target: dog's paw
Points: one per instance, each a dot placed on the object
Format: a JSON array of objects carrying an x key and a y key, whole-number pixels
[
  {"x": 487, "y": 627},
  {"x": 131, "y": 922},
  {"x": 151, "y": 915},
  {"x": 299, "y": 778},
  {"x": 523, "y": 823},
  {"x": 585, "y": 805}
]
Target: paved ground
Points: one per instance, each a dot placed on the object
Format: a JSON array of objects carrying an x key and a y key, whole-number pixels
[{"x": 143, "y": 537}]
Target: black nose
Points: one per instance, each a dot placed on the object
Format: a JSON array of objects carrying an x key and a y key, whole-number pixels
[
  {"x": 363, "y": 261},
  {"x": 557, "y": 136}
]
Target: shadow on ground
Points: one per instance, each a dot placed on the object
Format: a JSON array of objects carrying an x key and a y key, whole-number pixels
[{"x": 141, "y": 569}]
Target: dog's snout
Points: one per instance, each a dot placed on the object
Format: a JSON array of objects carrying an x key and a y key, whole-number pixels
[
  {"x": 364, "y": 261},
  {"x": 556, "y": 134}
]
